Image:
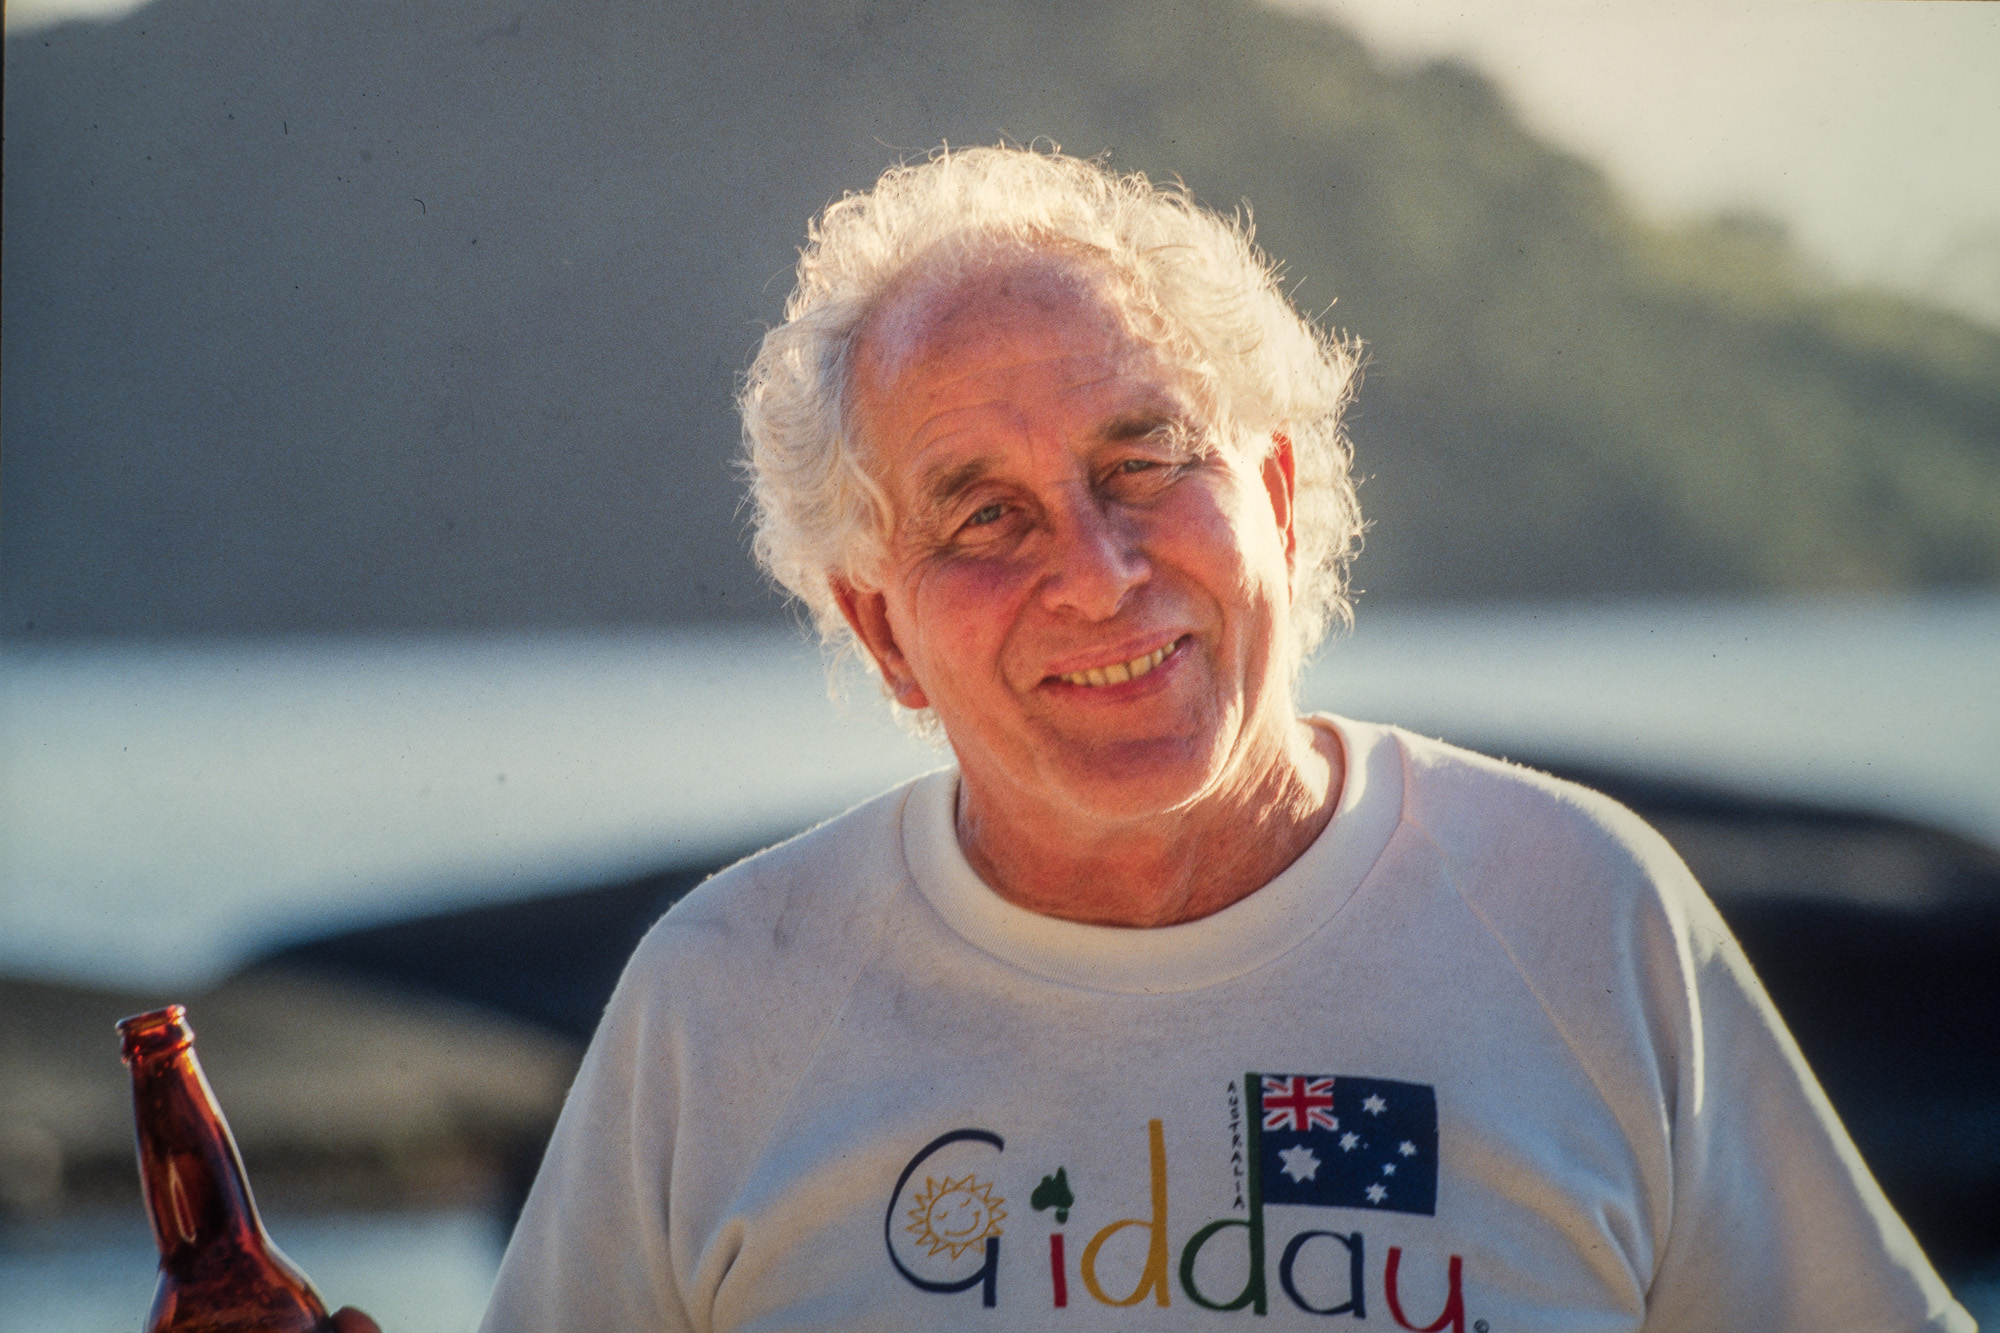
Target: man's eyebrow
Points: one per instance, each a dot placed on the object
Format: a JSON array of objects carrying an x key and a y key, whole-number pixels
[
  {"x": 1136, "y": 425},
  {"x": 939, "y": 487},
  {"x": 944, "y": 484}
]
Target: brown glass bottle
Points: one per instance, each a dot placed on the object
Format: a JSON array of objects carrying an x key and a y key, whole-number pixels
[{"x": 218, "y": 1270}]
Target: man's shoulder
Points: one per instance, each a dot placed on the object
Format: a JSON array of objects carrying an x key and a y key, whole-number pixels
[
  {"x": 1567, "y": 878},
  {"x": 1595, "y": 911},
  {"x": 1493, "y": 811},
  {"x": 815, "y": 891}
]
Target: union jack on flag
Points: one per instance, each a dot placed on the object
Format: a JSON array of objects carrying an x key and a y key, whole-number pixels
[{"x": 1298, "y": 1103}]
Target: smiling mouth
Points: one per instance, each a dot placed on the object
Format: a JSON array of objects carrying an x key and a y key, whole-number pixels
[{"x": 1120, "y": 672}]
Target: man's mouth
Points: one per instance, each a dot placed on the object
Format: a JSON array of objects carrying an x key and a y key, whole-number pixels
[{"x": 1120, "y": 672}]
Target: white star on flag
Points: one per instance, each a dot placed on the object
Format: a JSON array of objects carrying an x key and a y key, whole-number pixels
[
  {"x": 1376, "y": 1194},
  {"x": 1349, "y": 1141},
  {"x": 1374, "y": 1105},
  {"x": 1388, "y": 1168},
  {"x": 1300, "y": 1163},
  {"x": 1407, "y": 1148}
]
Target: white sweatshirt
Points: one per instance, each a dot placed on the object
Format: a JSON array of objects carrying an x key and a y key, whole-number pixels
[{"x": 1483, "y": 1059}]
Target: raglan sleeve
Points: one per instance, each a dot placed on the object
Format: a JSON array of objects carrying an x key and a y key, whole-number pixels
[
  {"x": 1773, "y": 1220},
  {"x": 593, "y": 1248}
]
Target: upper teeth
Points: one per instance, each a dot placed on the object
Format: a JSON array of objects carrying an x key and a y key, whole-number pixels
[{"x": 1121, "y": 672}]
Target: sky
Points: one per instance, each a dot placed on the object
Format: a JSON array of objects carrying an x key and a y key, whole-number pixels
[
  {"x": 1870, "y": 128},
  {"x": 1867, "y": 127}
]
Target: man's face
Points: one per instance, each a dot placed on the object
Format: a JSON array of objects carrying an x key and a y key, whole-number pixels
[{"x": 1088, "y": 589}]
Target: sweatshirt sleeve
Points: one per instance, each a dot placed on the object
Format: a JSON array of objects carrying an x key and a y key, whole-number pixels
[
  {"x": 591, "y": 1249},
  {"x": 1756, "y": 1211},
  {"x": 630, "y": 1224},
  {"x": 1775, "y": 1221}
]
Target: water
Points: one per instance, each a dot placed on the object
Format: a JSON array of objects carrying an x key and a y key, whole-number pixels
[
  {"x": 414, "y": 1272},
  {"x": 167, "y": 810},
  {"x": 1884, "y": 705}
]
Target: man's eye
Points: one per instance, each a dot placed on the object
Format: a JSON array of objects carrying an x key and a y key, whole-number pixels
[
  {"x": 987, "y": 514},
  {"x": 1137, "y": 465}
]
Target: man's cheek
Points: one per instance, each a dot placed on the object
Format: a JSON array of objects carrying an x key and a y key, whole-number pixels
[{"x": 973, "y": 600}]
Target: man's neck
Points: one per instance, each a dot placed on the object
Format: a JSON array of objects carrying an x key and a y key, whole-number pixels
[{"x": 1175, "y": 867}]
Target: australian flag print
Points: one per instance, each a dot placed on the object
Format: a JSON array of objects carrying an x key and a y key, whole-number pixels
[{"x": 1346, "y": 1142}]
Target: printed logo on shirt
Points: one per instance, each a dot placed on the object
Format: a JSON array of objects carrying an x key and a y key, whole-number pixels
[
  {"x": 955, "y": 1215},
  {"x": 950, "y": 1214},
  {"x": 1348, "y": 1142},
  {"x": 1330, "y": 1144}
]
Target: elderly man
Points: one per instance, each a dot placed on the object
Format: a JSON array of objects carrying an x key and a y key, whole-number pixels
[{"x": 1163, "y": 997}]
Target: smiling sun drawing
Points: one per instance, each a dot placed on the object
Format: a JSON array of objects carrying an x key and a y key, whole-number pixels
[{"x": 955, "y": 1215}]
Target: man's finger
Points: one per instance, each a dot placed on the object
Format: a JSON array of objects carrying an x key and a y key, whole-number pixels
[{"x": 350, "y": 1320}]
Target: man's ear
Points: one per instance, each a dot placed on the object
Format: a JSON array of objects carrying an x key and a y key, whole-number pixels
[
  {"x": 867, "y": 614},
  {"x": 1281, "y": 484}
]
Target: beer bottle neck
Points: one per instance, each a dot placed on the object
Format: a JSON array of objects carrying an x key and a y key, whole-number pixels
[{"x": 196, "y": 1192}]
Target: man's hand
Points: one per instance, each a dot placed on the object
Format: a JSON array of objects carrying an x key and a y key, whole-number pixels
[{"x": 350, "y": 1320}]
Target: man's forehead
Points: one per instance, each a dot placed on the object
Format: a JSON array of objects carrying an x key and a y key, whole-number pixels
[
  {"x": 934, "y": 370},
  {"x": 937, "y": 310}
]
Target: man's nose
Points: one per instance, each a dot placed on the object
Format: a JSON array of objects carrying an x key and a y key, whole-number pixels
[{"x": 1094, "y": 561}]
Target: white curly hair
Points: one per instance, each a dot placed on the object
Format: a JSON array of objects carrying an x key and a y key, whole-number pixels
[{"x": 1193, "y": 284}]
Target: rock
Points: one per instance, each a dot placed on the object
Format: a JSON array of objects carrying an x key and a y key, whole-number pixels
[{"x": 339, "y": 1091}]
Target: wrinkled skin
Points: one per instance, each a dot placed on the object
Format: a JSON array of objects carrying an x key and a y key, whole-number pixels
[{"x": 1063, "y": 511}]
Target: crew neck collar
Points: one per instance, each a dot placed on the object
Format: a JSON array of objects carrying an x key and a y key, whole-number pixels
[{"x": 1236, "y": 940}]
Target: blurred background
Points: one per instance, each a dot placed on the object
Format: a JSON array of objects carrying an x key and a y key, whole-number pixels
[{"x": 380, "y": 652}]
